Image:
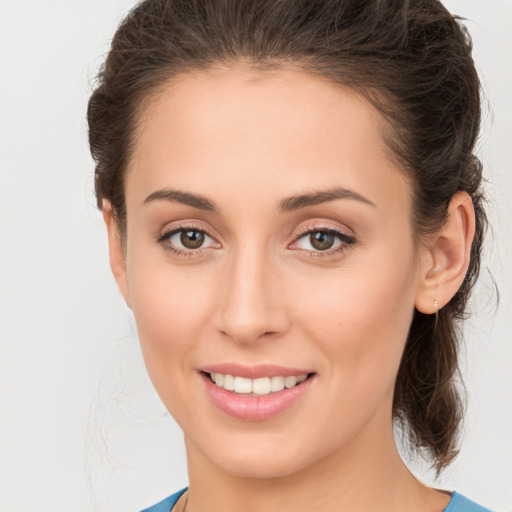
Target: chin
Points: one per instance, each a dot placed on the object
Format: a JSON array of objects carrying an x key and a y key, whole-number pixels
[
  {"x": 259, "y": 460},
  {"x": 261, "y": 469}
]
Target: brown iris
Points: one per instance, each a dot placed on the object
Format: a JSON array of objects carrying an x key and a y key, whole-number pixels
[
  {"x": 321, "y": 240},
  {"x": 192, "y": 238}
]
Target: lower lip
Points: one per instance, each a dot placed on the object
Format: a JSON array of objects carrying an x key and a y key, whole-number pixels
[{"x": 255, "y": 408}]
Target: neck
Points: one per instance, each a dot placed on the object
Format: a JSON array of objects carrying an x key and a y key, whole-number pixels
[{"x": 366, "y": 474}]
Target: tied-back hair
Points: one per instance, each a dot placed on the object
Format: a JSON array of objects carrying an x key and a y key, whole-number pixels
[{"x": 411, "y": 59}]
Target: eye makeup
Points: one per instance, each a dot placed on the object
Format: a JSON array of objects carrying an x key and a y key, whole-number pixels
[{"x": 324, "y": 241}]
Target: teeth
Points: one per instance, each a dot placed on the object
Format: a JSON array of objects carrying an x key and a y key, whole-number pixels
[
  {"x": 243, "y": 385},
  {"x": 229, "y": 382},
  {"x": 289, "y": 382},
  {"x": 261, "y": 386},
  {"x": 276, "y": 383}
]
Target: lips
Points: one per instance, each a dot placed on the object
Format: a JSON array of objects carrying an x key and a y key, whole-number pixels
[{"x": 251, "y": 406}]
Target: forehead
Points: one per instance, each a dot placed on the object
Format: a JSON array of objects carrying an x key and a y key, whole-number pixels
[
  {"x": 213, "y": 105},
  {"x": 260, "y": 131}
]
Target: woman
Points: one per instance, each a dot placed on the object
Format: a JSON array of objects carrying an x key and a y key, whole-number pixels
[{"x": 295, "y": 217}]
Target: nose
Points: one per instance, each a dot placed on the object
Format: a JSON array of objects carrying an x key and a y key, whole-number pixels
[{"x": 250, "y": 301}]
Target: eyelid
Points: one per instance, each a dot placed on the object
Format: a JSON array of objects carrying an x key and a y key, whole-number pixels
[
  {"x": 322, "y": 226},
  {"x": 190, "y": 225}
]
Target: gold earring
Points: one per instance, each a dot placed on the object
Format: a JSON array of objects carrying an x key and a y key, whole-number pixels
[{"x": 436, "y": 320}]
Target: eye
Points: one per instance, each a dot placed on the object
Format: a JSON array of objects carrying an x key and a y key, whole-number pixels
[
  {"x": 323, "y": 241},
  {"x": 186, "y": 240},
  {"x": 189, "y": 241}
]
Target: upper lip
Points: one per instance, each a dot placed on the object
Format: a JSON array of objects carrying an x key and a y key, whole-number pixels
[{"x": 254, "y": 371}]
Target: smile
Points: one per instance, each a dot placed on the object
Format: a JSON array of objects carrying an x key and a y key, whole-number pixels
[
  {"x": 256, "y": 387},
  {"x": 257, "y": 399}
]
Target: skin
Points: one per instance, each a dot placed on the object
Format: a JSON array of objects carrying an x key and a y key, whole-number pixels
[{"x": 258, "y": 292}]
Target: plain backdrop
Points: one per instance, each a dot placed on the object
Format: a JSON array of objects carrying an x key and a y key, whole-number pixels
[{"x": 81, "y": 428}]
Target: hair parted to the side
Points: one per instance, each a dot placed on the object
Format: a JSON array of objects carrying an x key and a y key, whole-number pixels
[{"x": 411, "y": 59}]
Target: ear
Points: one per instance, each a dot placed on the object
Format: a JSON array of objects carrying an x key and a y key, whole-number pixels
[
  {"x": 445, "y": 260},
  {"x": 115, "y": 249}
]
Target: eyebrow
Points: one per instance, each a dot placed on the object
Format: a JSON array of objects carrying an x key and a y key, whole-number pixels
[
  {"x": 322, "y": 196},
  {"x": 179, "y": 196},
  {"x": 286, "y": 205}
]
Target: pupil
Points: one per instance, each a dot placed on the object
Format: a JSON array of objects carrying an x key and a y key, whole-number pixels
[
  {"x": 192, "y": 239},
  {"x": 321, "y": 240}
]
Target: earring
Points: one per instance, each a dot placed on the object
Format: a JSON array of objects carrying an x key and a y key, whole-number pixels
[{"x": 436, "y": 312}]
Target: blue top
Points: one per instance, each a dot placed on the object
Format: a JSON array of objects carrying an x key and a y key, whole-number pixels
[{"x": 458, "y": 503}]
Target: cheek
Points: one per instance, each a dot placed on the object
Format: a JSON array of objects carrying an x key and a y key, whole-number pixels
[
  {"x": 170, "y": 306},
  {"x": 360, "y": 320}
]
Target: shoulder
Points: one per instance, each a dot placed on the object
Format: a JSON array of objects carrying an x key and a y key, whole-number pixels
[
  {"x": 167, "y": 504},
  {"x": 460, "y": 503}
]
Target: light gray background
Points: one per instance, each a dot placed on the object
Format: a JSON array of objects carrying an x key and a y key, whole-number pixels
[{"x": 80, "y": 427}]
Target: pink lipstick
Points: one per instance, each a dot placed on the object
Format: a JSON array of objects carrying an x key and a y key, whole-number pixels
[{"x": 264, "y": 404}]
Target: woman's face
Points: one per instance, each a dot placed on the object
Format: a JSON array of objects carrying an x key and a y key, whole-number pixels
[{"x": 269, "y": 236}]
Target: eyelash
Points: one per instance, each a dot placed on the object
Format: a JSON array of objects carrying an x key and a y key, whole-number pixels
[{"x": 345, "y": 239}]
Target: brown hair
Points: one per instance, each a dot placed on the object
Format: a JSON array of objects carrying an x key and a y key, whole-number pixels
[{"x": 411, "y": 59}]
